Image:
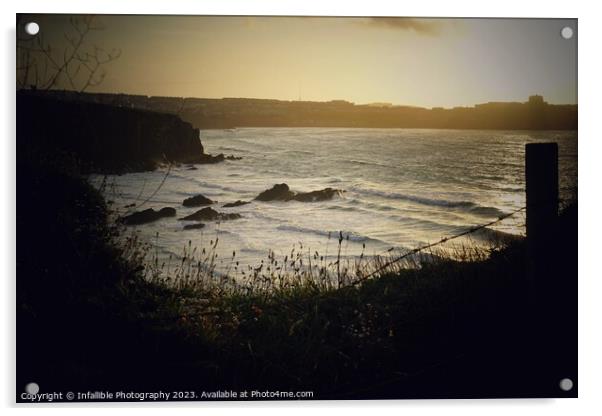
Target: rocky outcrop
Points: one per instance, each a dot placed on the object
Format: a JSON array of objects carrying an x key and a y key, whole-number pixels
[
  {"x": 282, "y": 192},
  {"x": 105, "y": 138},
  {"x": 236, "y": 204},
  {"x": 148, "y": 215},
  {"x": 197, "y": 201},
  {"x": 314, "y": 196},
  {"x": 194, "y": 226},
  {"x": 209, "y": 214},
  {"x": 207, "y": 159},
  {"x": 279, "y": 192}
]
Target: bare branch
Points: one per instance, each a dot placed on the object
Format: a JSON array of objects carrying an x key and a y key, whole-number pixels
[{"x": 77, "y": 65}]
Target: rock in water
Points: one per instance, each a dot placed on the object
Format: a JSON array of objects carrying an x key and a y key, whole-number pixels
[
  {"x": 202, "y": 214},
  {"x": 206, "y": 158},
  {"x": 167, "y": 212},
  {"x": 229, "y": 216},
  {"x": 194, "y": 226},
  {"x": 236, "y": 204},
  {"x": 279, "y": 192},
  {"x": 197, "y": 201},
  {"x": 148, "y": 215},
  {"x": 321, "y": 195},
  {"x": 209, "y": 214}
]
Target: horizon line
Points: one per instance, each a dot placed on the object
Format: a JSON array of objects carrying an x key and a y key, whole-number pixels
[{"x": 386, "y": 103}]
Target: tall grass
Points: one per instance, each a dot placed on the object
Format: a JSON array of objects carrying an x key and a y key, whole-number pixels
[{"x": 201, "y": 269}]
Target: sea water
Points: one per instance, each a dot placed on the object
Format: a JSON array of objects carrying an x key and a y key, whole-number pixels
[{"x": 403, "y": 188}]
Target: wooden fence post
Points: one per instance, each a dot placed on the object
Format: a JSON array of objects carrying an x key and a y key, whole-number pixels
[
  {"x": 551, "y": 320},
  {"x": 541, "y": 176}
]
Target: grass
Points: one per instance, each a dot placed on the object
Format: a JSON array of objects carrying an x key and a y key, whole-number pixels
[
  {"x": 297, "y": 333},
  {"x": 200, "y": 269},
  {"x": 95, "y": 314}
]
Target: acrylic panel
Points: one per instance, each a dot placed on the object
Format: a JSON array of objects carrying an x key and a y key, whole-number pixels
[{"x": 295, "y": 208}]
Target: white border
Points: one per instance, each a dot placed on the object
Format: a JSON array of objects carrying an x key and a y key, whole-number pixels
[{"x": 590, "y": 108}]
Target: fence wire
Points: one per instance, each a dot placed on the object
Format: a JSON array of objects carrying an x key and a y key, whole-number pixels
[
  {"x": 437, "y": 243},
  {"x": 563, "y": 203}
]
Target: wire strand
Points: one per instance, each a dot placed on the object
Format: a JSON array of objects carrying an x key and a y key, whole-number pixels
[{"x": 443, "y": 240}]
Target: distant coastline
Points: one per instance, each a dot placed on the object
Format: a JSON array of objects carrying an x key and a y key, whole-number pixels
[{"x": 209, "y": 113}]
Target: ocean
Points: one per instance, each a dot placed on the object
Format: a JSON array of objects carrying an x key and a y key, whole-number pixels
[{"x": 402, "y": 188}]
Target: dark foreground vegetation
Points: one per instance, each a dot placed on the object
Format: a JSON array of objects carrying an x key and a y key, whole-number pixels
[{"x": 88, "y": 320}]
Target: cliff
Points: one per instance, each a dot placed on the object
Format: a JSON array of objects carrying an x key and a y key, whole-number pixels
[{"x": 104, "y": 138}]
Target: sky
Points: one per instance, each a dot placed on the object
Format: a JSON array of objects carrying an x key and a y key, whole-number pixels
[{"x": 403, "y": 61}]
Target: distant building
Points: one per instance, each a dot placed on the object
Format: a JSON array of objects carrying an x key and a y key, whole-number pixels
[
  {"x": 340, "y": 102},
  {"x": 536, "y": 100},
  {"x": 382, "y": 105}
]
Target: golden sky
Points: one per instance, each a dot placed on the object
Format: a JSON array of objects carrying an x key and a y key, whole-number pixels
[{"x": 422, "y": 62}]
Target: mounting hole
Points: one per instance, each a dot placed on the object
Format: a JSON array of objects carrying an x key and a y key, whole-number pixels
[
  {"x": 32, "y": 28},
  {"x": 566, "y": 32},
  {"x": 566, "y": 384},
  {"x": 32, "y": 388}
]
